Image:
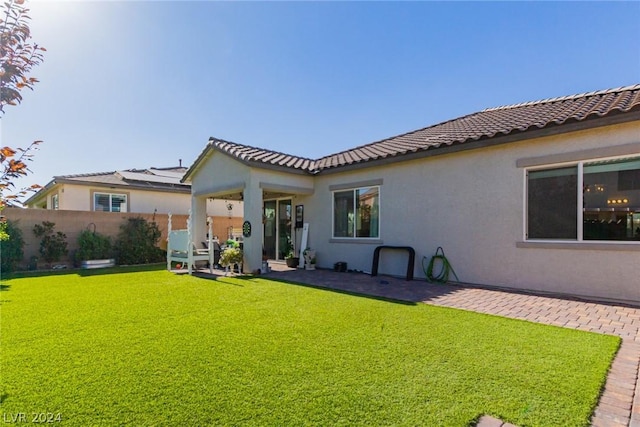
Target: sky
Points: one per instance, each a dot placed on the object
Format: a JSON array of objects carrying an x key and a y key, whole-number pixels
[{"x": 139, "y": 84}]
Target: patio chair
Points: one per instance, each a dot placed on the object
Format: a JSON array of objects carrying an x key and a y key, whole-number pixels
[{"x": 181, "y": 248}]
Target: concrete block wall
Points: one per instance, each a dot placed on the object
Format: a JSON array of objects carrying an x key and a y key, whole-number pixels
[{"x": 107, "y": 223}]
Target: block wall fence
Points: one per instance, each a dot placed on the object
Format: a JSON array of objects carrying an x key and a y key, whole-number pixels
[{"x": 106, "y": 223}]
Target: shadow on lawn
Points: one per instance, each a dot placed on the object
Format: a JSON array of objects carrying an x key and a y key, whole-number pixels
[
  {"x": 89, "y": 272},
  {"x": 385, "y": 288}
]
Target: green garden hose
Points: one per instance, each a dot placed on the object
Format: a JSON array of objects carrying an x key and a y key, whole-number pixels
[{"x": 446, "y": 268}]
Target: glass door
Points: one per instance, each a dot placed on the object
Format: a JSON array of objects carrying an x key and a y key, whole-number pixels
[
  {"x": 277, "y": 220},
  {"x": 284, "y": 228},
  {"x": 269, "y": 220}
]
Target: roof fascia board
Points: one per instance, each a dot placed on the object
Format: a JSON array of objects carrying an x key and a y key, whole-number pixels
[
  {"x": 204, "y": 155},
  {"x": 43, "y": 192},
  {"x": 186, "y": 188},
  {"x": 551, "y": 130}
]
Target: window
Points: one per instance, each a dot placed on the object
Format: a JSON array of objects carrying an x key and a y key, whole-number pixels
[
  {"x": 55, "y": 204},
  {"x": 591, "y": 200},
  {"x": 356, "y": 213},
  {"x": 552, "y": 202},
  {"x": 109, "y": 202}
]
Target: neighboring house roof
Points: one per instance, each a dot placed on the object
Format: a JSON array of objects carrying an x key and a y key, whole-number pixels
[
  {"x": 156, "y": 179},
  {"x": 516, "y": 121}
]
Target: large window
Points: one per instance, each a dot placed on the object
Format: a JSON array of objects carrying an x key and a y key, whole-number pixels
[
  {"x": 109, "y": 202},
  {"x": 55, "y": 202},
  {"x": 591, "y": 200},
  {"x": 356, "y": 213}
]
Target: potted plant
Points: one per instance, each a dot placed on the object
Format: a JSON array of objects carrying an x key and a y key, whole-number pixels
[
  {"x": 231, "y": 256},
  {"x": 291, "y": 260},
  {"x": 94, "y": 250},
  {"x": 309, "y": 259}
]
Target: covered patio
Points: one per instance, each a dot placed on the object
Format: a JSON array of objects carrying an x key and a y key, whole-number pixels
[{"x": 257, "y": 177}]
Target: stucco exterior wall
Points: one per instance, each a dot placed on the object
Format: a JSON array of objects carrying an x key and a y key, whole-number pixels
[
  {"x": 471, "y": 203},
  {"x": 79, "y": 198}
]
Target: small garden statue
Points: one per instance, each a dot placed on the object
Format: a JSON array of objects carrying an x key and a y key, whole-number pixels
[{"x": 309, "y": 259}]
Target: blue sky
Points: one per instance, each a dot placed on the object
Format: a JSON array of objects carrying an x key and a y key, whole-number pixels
[{"x": 141, "y": 84}]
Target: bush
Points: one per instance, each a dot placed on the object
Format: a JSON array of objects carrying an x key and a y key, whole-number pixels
[
  {"x": 53, "y": 245},
  {"x": 137, "y": 243},
  {"x": 12, "y": 249},
  {"x": 232, "y": 243},
  {"x": 92, "y": 245},
  {"x": 231, "y": 256}
]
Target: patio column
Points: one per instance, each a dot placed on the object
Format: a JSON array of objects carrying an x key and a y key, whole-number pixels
[
  {"x": 252, "y": 246},
  {"x": 198, "y": 220}
]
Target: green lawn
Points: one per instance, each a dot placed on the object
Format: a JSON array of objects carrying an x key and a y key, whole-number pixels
[{"x": 151, "y": 348}]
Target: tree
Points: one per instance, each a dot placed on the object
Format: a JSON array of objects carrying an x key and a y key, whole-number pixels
[
  {"x": 53, "y": 245},
  {"x": 137, "y": 242},
  {"x": 12, "y": 249},
  {"x": 17, "y": 57}
]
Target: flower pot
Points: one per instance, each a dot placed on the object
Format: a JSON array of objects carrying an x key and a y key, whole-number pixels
[
  {"x": 292, "y": 262},
  {"x": 98, "y": 263}
]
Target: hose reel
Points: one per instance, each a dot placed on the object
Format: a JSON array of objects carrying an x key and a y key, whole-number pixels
[{"x": 439, "y": 259}]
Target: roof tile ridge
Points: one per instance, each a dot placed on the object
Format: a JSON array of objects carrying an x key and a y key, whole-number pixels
[
  {"x": 565, "y": 98},
  {"x": 217, "y": 142}
]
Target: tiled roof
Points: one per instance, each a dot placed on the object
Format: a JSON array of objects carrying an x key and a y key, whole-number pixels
[
  {"x": 494, "y": 122},
  {"x": 136, "y": 178},
  {"x": 486, "y": 124},
  {"x": 162, "y": 179},
  {"x": 253, "y": 154}
]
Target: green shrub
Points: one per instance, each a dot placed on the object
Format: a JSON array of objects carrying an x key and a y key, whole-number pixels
[
  {"x": 12, "y": 249},
  {"x": 137, "y": 243},
  {"x": 53, "y": 245},
  {"x": 231, "y": 256},
  {"x": 232, "y": 243},
  {"x": 92, "y": 245}
]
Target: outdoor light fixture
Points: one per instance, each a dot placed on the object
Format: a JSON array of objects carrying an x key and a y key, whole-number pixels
[{"x": 617, "y": 201}]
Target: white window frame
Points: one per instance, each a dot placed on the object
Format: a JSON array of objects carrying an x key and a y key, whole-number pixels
[
  {"x": 96, "y": 193},
  {"x": 580, "y": 212},
  {"x": 355, "y": 205},
  {"x": 55, "y": 202}
]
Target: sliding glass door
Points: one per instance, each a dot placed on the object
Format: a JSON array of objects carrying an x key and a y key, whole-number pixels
[{"x": 277, "y": 217}]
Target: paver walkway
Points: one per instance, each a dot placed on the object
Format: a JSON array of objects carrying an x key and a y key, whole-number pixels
[{"x": 619, "y": 403}]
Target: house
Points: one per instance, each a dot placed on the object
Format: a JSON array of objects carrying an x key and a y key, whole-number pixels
[
  {"x": 541, "y": 196},
  {"x": 143, "y": 191}
]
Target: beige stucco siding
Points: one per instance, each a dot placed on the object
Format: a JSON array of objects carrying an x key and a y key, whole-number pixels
[
  {"x": 221, "y": 174},
  {"x": 80, "y": 198},
  {"x": 471, "y": 203}
]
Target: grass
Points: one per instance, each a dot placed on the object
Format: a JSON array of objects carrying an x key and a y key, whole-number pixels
[{"x": 153, "y": 348}]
